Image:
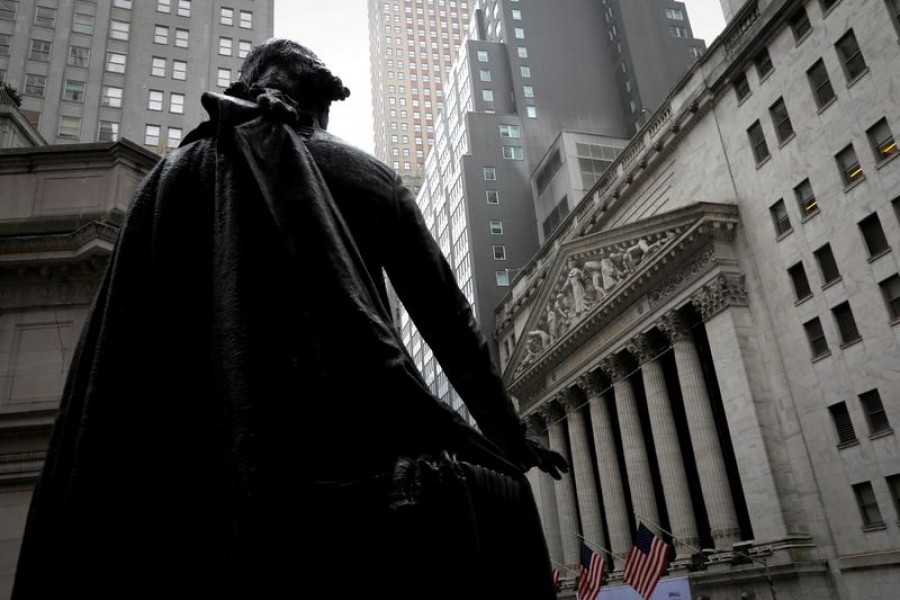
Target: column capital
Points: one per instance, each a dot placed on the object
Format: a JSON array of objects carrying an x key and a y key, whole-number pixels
[
  {"x": 589, "y": 382},
  {"x": 612, "y": 366},
  {"x": 727, "y": 289},
  {"x": 536, "y": 421},
  {"x": 571, "y": 398},
  {"x": 674, "y": 327},
  {"x": 553, "y": 410},
  {"x": 641, "y": 347}
]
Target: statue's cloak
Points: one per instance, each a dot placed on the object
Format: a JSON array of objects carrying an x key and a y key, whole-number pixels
[{"x": 238, "y": 360}]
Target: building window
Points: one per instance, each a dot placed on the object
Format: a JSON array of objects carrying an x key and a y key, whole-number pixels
[
  {"x": 781, "y": 120},
  {"x": 679, "y": 32},
  {"x": 126, "y": 4},
  {"x": 528, "y": 91},
  {"x": 499, "y": 252},
  {"x": 806, "y": 198},
  {"x": 244, "y": 48},
  {"x": 484, "y": 74},
  {"x": 502, "y": 278},
  {"x": 119, "y": 30},
  {"x": 79, "y": 56},
  {"x": 487, "y": 95},
  {"x": 848, "y": 165},
  {"x": 223, "y": 77},
  {"x": 827, "y": 264},
  {"x": 851, "y": 56},
  {"x": 893, "y": 482},
  {"x": 184, "y": 8},
  {"x": 874, "y": 410},
  {"x": 531, "y": 111},
  {"x": 741, "y": 86},
  {"x": 496, "y": 227},
  {"x": 893, "y": 7},
  {"x": 523, "y": 51},
  {"x": 890, "y": 289},
  {"x": 107, "y": 131},
  {"x": 525, "y": 71},
  {"x": 873, "y": 234},
  {"x": 155, "y": 100},
  {"x": 827, "y": 4},
  {"x": 758, "y": 142},
  {"x": 112, "y": 97},
  {"x": 882, "y": 140},
  {"x": 493, "y": 197},
  {"x": 799, "y": 23},
  {"x": 843, "y": 318},
  {"x": 174, "y": 137},
  {"x": 35, "y": 85},
  {"x": 73, "y": 91},
  {"x": 818, "y": 345},
  {"x": 843, "y": 424},
  {"x": 82, "y": 23},
  {"x": 40, "y": 51},
  {"x": 246, "y": 19},
  {"x": 780, "y": 218},
  {"x": 115, "y": 62},
  {"x": 510, "y": 131},
  {"x": 158, "y": 67},
  {"x": 800, "y": 282},
  {"x": 176, "y": 103},
  {"x": 821, "y": 84},
  {"x": 151, "y": 135},
  {"x": 512, "y": 153},
  {"x": 675, "y": 14},
  {"x": 482, "y": 55},
  {"x": 45, "y": 17},
  {"x": 226, "y": 16},
  {"x": 179, "y": 70},
  {"x": 181, "y": 38},
  {"x": 164, "y": 6},
  {"x": 69, "y": 127},
  {"x": 160, "y": 35},
  {"x": 8, "y": 9},
  {"x": 6, "y": 42},
  {"x": 519, "y": 33},
  {"x": 225, "y": 46},
  {"x": 868, "y": 505},
  {"x": 763, "y": 64},
  {"x": 490, "y": 174}
]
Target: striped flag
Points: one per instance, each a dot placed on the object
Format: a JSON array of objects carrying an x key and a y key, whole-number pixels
[
  {"x": 646, "y": 562},
  {"x": 590, "y": 574},
  {"x": 555, "y": 579}
]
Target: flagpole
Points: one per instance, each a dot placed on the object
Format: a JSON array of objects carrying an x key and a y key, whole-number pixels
[
  {"x": 755, "y": 559},
  {"x": 589, "y": 543},
  {"x": 553, "y": 562}
]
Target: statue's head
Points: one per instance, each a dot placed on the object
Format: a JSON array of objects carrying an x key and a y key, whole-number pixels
[{"x": 295, "y": 70}]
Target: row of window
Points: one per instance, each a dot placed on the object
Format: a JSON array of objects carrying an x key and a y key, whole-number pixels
[
  {"x": 69, "y": 128},
  {"x": 868, "y": 503},
  {"x": 876, "y": 419}
]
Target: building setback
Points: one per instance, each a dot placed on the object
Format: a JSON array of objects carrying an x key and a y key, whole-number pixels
[
  {"x": 713, "y": 335},
  {"x": 101, "y": 70},
  {"x": 511, "y": 94}
]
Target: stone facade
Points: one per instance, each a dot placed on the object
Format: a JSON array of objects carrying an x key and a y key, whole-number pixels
[
  {"x": 60, "y": 207},
  {"x": 745, "y": 384}
]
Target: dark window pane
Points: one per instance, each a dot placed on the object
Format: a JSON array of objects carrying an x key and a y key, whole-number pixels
[
  {"x": 843, "y": 425},
  {"x": 846, "y": 324},
  {"x": 868, "y": 505},
  {"x": 780, "y": 218},
  {"x": 741, "y": 86},
  {"x": 763, "y": 63},
  {"x": 799, "y": 280},
  {"x": 758, "y": 142},
  {"x": 890, "y": 288},
  {"x": 818, "y": 345},
  {"x": 820, "y": 83},
  {"x": 873, "y": 234},
  {"x": 780, "y": 119},
  {"x": 893, "y": 482},
  {"x": 806, "y": 198},
  {"x": 849, "y": 165},
  {"x": 882, "y": 140},
  {"x": 851, "y": 56},
  {"x": 875, "y": 415},
  {"x": 827, "y": 264},
  {"x": 827, "y": 4},
  {"x": 799, "y": 22}
]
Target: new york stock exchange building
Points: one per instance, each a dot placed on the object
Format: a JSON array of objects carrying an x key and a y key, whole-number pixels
[{"x": 711, "y": 337}]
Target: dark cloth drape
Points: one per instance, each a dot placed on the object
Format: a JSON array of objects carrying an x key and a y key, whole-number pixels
[{"x": 239, "y": 396}]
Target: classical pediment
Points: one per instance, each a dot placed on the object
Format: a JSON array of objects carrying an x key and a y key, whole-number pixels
[{"x": 594, "y": 278}]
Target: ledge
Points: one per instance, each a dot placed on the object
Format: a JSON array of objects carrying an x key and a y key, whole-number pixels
[
  {"x": 786, "y": 140},
  {"x": 868, "y": 561},
  {"x": 827, "y": 104},
  {"x": 833, "y": 282},
  {"x": 875, "y": 257},
  {"x": 874, "y": 527},
  {"x": 800, "y": 301},
  {"x": 846, "y": 445},
  {"x": 885, "y": 161},
  {"x": 784, "y": 234},
  {"x": 809, "y": 216},
  {"x": 851, "y": 343},
  {"x": 763, "y": 161},
  {"x": 862, "y": 74},
  {"x": 854, "y": 183},
  {"x": 822, "y": 356},
  {"x": 881, "y": 434}
]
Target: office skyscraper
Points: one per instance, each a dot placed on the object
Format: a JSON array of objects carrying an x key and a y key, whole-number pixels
[
  {"x": 412, "y": 44},
  {"x": 541, "y": 99},
  {"x": 94, "y": 70}
]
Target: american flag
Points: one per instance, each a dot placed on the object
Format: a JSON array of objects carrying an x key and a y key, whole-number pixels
[
  {"x": 555, "y": 579},
  {"x": 646, "y": 562},
  {"x": 590, "y": 574}
]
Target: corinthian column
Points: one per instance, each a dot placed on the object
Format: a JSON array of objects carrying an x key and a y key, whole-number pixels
[
  {"x": 554, "y": 413},
  {"x": 583, "y": 470},
  {"x": 545, "y": 492},
  {"x": 668, "y": 451},
  {"x": 611, "y": 486},
  {"x": 723, "y": 521},
  {"x": 637, "y": 466}
]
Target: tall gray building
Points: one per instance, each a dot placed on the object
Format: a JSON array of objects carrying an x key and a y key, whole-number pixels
[
  {"x": 90, "y": 70},
  {"x": 513, "y": 93}
]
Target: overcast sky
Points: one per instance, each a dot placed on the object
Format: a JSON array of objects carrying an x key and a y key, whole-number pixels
[{"x": 337, "y": 30}]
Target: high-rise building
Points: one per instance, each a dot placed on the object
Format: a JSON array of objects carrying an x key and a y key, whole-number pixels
[
  {"x": 100, "y": 70},
  {"x": 412, "y": 44},
  {"x": 712, "y": 337},
  {"x": 524, "y": 132}
]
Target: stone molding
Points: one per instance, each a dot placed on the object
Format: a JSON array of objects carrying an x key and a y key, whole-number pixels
[
  {"x": 727, "y": 289},
  {"x": 682, "y": 277},
  {"x": 674, "y": 327}
]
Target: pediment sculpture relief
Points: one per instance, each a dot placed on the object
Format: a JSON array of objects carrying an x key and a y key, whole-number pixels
[{"x": 585, "y": 284}]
